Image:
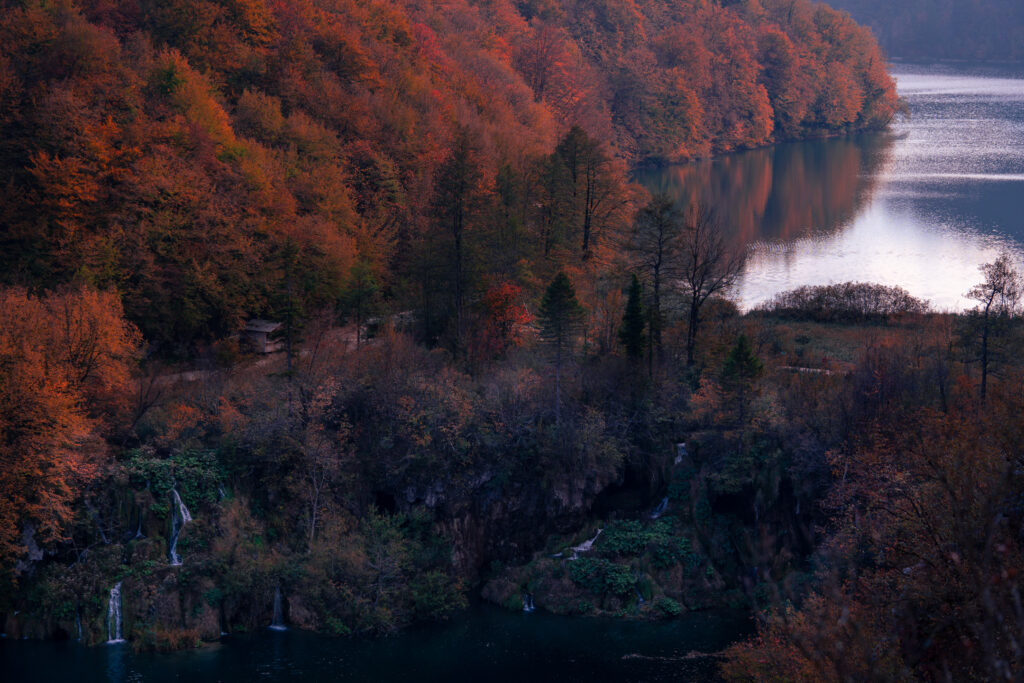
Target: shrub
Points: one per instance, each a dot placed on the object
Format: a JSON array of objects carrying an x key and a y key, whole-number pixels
[
  {"x": 846, "y": 302},
  {"x": 623, "y": 538},
  {"x": 167, "y": 640},
  {"x": 669, "y": 607},
  {"x": 435, "y": 596},
  {"x": 601, "y": 577}
]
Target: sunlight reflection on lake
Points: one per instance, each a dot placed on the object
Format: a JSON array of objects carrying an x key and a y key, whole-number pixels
[{"x": 921, "y": 206}]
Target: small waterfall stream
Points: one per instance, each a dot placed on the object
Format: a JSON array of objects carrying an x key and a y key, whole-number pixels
[
  {"x": 278, "y": 623},
  {"x": 179, "y": 517},
  {"x": 660, "y": 509},
  {"x": 585, "y": 546},
  {"x": 114, "y": 615},
  {"x": 78, "y": 625},
  {"x": 528, "y": 602}
]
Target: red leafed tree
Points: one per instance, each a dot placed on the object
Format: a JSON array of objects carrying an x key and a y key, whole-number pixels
[{"x": 505, "y": 319}]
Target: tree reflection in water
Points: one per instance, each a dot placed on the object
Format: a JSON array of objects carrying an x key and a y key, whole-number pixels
[{"x": 781, "y": 193}]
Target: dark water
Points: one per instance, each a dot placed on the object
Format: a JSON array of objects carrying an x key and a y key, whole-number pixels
[
  {"x": 484, "y": 644},
  {"x": 921, "y": 206}
]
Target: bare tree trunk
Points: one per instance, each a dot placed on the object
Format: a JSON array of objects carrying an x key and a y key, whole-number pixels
[
  {"x": 588, "y": 208},
  {"x": 558, "y": 385},
  {"x": 312, "y": 517},
  {"x": 691, "y": 332},
  {"x": 984, "y": 357}
]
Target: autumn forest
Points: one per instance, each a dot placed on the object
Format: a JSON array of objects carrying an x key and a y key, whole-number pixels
[{"x": 486, "y": 341}]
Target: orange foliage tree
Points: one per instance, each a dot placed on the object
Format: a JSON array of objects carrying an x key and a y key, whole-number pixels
[{"x": 64, "y": 360}]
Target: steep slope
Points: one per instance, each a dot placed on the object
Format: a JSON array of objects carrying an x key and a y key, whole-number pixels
[{"x": 217, "y": 159}]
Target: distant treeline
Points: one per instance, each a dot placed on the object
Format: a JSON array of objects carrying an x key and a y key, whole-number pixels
[{"x": 944, "y": 29}]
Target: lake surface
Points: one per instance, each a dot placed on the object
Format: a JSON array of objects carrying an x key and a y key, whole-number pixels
[
  {"x": 483, "y": 644},
  {"x": 920, "y": 206}
]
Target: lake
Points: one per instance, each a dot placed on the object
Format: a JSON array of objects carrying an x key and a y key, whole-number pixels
[
  {"x": 920, "y": 206},
  {"x": 484, "y": 643}
]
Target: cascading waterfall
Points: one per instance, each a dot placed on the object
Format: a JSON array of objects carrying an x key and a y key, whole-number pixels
[
  {"x": 639, "y": 595},
  {"x": 138, "y": 530},
  {"x": 585, "y": 546},
  {"x": 179, "y": 517},
  {"x": 78, "y": 624},
  {"x": 528, "y": 602},
  {"x": 114, "y": 615},
  {"x": 680, "y": 453},
  {"x": 660, "y": 510},
  {"x": 278, "y": 623},
  {"x": 99, "y": 522}
]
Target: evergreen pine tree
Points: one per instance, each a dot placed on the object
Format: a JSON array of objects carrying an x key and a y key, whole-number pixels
[
  {"x": 740, "y": 372},
  {"x": 631, "y": 333},
  {"x": 561, "y": 316}
]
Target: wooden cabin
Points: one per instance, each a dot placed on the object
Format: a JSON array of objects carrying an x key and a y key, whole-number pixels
[{"x": 260, "y": 336}]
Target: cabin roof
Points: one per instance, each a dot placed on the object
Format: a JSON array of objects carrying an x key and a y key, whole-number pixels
[{"x": 264, "y": 326}]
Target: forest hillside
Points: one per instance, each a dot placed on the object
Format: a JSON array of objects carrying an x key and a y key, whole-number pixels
[
  {"x": 495, "y": 365},
  {"x": 215, "y": 160},
  {"x": 944, "y": 29}
]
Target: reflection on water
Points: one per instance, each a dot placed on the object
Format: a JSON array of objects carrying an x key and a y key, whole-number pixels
[
  {"x": 921, "y": 207},
  {"x": 482, "y": 644},
  {"x": 782, "y": 193}
]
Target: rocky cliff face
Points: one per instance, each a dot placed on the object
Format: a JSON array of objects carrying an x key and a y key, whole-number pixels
[{"x": 230, "y": 567}]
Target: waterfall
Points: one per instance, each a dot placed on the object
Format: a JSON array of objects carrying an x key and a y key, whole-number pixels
[
  {"x": 138, "y": 530},
  {"x": 639, "y": 595},
  {"x": 660, "y": 510},
  {"x": 528, "y": 602},
  {"x": 99, "y": 524},
  {"x": 585, "y": 546},
  {"x": 278, "y": 623},
  {"x": 78, "y": 624},
  {"x": 114, "y": 615},
  {"x": 680, "y": 453},
  {"x": 179, "y": 517}
]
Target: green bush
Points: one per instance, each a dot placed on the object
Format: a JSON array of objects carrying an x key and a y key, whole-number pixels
[
  {"x": 669, "y": 607},
  {"x": 435, "y": 596},
  {"x": 195, "y": 473},
  {"x": 336, "y": 626},
  {"x": 623, "y": 538},
  {"x": 601, "y": 577}
]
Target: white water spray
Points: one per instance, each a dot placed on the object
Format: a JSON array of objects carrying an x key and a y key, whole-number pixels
[
  {"x": 179, "y": 517},
  {"x": 660, "y": 510},
  {"x": 278, "y": 623},
  {"x": 114, "y": 615},
  {"x": 585, "y": 546}
]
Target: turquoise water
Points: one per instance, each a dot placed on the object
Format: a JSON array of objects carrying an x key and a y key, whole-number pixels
[{"x": 483, "y": 644}]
